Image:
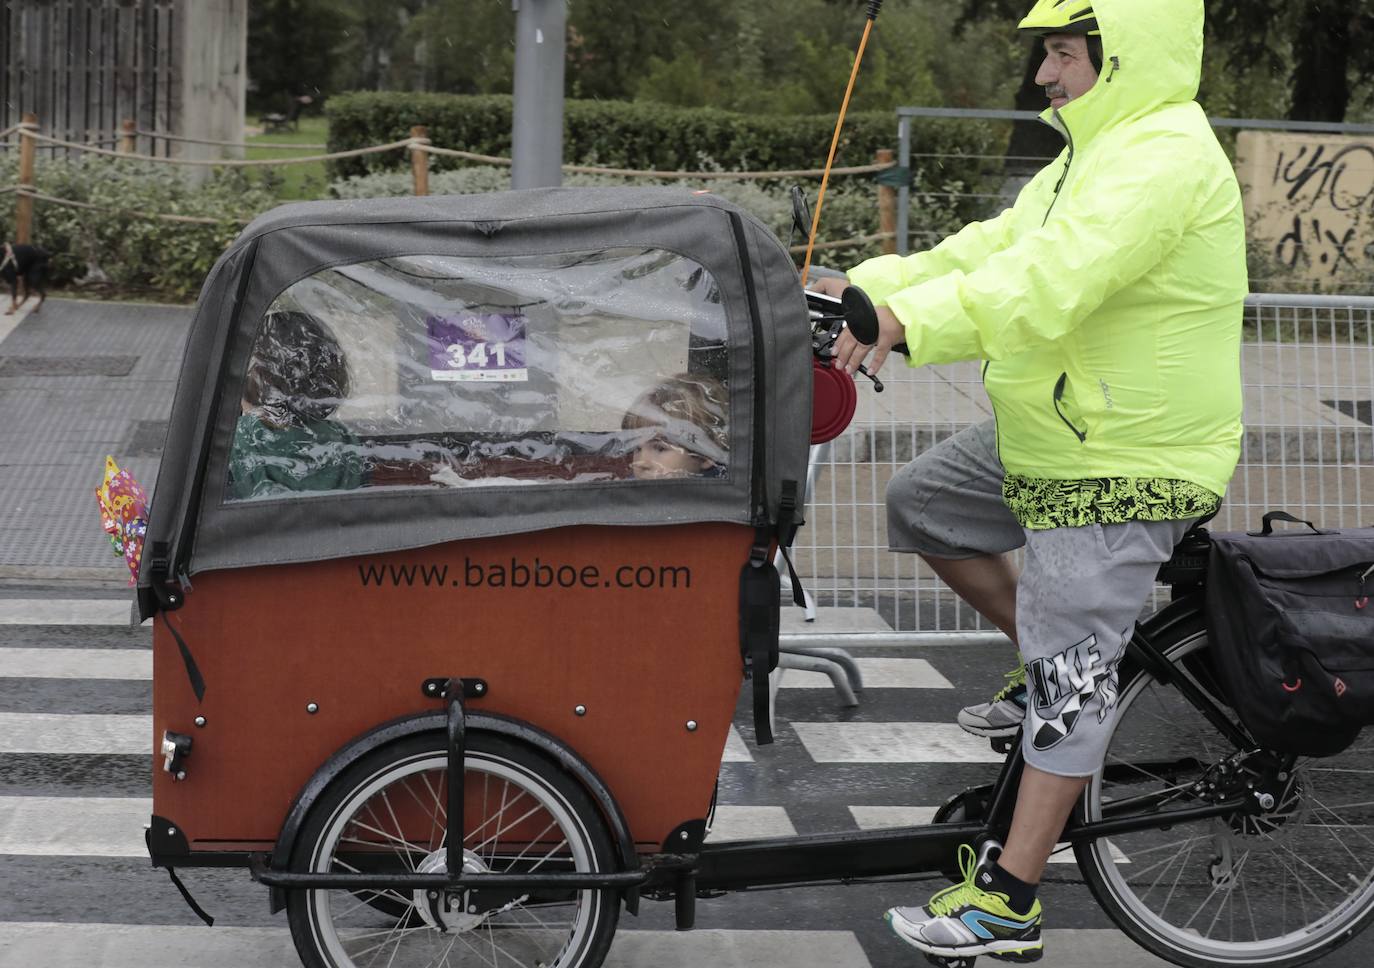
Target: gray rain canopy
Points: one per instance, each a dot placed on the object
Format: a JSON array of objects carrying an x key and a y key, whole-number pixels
[{"x": 388, "y": 374}]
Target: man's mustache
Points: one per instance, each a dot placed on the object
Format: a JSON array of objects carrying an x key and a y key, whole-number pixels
[{"x": 1054, "y": 91}]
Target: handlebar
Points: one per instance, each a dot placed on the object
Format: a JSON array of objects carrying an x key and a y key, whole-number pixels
[{"x": 853, "y": 310}]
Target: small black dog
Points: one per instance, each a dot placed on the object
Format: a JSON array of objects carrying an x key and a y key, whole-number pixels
[{"x": 27, "y": 264}]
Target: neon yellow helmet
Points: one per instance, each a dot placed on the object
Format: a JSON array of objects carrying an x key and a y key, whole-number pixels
[{"x": 1061, "y": 17}]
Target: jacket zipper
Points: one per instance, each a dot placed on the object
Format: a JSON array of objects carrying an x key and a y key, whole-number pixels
[
  {"x": 758, "y": 487},
  {"x": 996, "y": 437},
  {"x": 1059, "y": 395},
  {"x": 1068, "y": 136}
]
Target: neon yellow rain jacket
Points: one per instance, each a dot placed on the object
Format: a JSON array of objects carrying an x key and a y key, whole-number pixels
[{"x": 1107, "y": 301}]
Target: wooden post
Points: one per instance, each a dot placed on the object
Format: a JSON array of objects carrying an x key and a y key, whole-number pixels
[
  {"x": 126, "y": 136},
  {"x": 419, "y": 160},
  {"x": 23, "y": 207},
  {"x": 887, "y": 204}
]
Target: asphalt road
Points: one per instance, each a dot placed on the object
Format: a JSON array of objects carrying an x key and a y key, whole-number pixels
[{"x": 75, "y": 786}]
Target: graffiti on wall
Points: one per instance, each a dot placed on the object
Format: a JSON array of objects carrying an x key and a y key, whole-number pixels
[{"x": 1309, "y": 201}]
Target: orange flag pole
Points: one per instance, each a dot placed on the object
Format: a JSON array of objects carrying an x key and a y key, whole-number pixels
[{"x": 873, "y": 8}]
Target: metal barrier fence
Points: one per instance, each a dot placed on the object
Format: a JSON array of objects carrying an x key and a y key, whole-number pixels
[{"x": 1308, "y": 372}]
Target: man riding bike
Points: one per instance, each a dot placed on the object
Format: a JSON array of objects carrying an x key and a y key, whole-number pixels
[{"x": 1107, "y": 305}]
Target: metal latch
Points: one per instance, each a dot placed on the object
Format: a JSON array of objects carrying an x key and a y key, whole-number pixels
[{"x": 175, "y": 748}]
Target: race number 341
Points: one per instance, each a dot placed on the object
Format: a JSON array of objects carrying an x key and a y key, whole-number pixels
[{"x": 477, "y": 348}]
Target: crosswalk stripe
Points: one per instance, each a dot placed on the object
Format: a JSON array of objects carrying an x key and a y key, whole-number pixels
[
  {"x": 25, "y": 663},
  {"x": 80, "y": 945},
  {"x": 74, "y": 826},
  {"x": 878, "y": 818},
  {"x": 75, "y": 733},
  {"x": 893, "y": 743},
  {"x": 65, "y": 611},
  {"x": 879, "y": 673},
  {"x": 55, "y": 945},
  {"x": 750, "y": 823},
  {"x": 735, "y": 749},
  {"x": 832, "y": 620}
]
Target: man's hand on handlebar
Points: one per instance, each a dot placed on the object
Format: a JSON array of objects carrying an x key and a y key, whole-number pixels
[{"x": 849, "y": 352}]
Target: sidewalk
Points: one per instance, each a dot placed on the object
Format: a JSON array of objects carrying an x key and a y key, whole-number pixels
[
  {"x": 78, "y": 381},
  {"x": 83, "y": 379}
]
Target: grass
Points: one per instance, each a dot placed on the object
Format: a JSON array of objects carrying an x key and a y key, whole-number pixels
[{"x": 294, "y": 182}]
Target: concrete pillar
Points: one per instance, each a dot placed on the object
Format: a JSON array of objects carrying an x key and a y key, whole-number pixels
[
  {"x": 537, "y": 126},
  {"x": 212, "y": 81}
]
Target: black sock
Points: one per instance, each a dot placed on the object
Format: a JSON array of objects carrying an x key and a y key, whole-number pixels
[{"x": 1020, "y": 895}]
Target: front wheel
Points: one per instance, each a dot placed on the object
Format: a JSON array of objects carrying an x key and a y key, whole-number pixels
[
  {"x": 386, "y": 813},
  {"x": 1275, "y": 889}
]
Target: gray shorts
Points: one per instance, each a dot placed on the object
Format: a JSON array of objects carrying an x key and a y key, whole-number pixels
[{"x": 1077, "y": 600}]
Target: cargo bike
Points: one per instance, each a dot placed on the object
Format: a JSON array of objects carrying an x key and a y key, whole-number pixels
[{"x": 461, "y": 550}]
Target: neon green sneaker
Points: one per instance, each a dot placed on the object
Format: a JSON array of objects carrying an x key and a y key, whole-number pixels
[
  {"x": 966, "y": 920},
  {"x": 1003, "y": 716}
]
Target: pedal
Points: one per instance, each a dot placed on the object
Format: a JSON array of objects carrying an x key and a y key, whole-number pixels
[{"x": 1003, "y": 745}]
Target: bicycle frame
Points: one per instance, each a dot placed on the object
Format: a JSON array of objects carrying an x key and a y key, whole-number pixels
[{"x": 799, "y": 861}]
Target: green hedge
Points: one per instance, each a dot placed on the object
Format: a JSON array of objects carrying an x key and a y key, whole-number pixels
[
  {"x": 118, "y": 245},
  {"x": 645, "y": 135}
]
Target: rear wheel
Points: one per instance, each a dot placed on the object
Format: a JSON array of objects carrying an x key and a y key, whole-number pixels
[
  {"x": 1275, "y": 889},
  {"x": 387, "y": 813}
]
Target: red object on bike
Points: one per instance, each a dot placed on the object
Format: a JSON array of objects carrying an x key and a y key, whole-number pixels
[{"x": 833, "y": 400}]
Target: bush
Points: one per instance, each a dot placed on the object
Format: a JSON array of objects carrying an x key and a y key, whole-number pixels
[
  {"x": 127, "y": 250},
  {"x": 648, "y": 136},
  {"x": 850, "y": 206}
]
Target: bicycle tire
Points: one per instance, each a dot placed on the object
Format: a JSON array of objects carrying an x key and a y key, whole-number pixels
[
  {"x": 390, "y": 805},
  {"x": 1117, "y": 869}
]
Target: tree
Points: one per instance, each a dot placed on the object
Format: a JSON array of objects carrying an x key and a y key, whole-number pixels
[
  {"x": 459, "y": 46},
  {"x": 371, "y": 42},
  {"x": 293, "y": 47},
  {"x": 1320, "y": 44}
]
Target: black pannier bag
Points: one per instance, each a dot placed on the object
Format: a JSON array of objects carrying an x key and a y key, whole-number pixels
[{"x": 1292, "y": 628}]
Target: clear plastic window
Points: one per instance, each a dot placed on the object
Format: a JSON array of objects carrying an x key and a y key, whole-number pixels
[{"x": 439, "y": 371}]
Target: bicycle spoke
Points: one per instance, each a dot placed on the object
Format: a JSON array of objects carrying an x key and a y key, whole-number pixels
[
  {"x": 391, "y": 838},
  {"x": 385, "y": 941},
  {"x": 399, "y": 820},
  {"x": 385, "y": 892},
  {"x": 1183, "y": 865},
  {"x": 386, "y": 799},
  {"x": 1138, "y": 876},
  {"x": 495, "y": 838},
  {"x": 544, "y": 926},
  {"x": 1302, "y": 860},
  {"x": 1249, "y": 911},
  {"x": 1235, "y": 873},
  {"x": 442, "y": 958},
  {"x": 437, "y": 825},
  {"x": 1342, "y": 823}
]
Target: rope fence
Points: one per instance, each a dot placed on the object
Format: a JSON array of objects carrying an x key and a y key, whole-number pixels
[
  {"x": 163, "y": 136},
  {"x": 222, "y": 162},
  {"x": 23, "y": 192},
  {"x": 842, "y": 243},
  {"x": 417, "y": 145},
  {"x": 413, "y": 143}
]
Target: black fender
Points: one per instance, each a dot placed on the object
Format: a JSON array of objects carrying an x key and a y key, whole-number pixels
[
  {"x": 437, "y": 722},
  {"x": 1161, "y": 626},
  {"x": 1176, "y": 613}
]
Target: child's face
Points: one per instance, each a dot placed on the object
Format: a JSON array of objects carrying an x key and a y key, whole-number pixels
[{"x": 659, "y": 459}]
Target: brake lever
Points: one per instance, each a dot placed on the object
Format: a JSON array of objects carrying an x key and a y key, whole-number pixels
[
  {"x": 877, "y": 384},
  {"x": 828, "y": 355}
]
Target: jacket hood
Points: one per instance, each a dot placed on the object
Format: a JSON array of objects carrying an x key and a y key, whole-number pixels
[{"x": 1151, "y": 57}]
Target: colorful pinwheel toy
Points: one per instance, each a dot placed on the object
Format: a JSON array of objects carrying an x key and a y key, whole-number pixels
[{"x": 123, "y": 514}]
